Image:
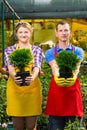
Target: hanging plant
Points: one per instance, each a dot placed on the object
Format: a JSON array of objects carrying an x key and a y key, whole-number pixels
[{"x": 67, "y": 63}]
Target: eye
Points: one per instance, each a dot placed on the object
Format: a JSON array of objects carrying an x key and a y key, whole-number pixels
[
  {"x": 60, "y": 30},
  {"x": 66, "y": 30},
  {"x": 20, "y": 32},
  {"x": 26, "y": 32}
]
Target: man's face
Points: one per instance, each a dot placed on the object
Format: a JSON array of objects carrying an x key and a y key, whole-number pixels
[{"x": 63, "y": 32}]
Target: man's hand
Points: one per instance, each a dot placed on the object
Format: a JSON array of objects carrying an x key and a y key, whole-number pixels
[
  {"x": 62, "y": 82},
  {"x": 71, "y": 81}
]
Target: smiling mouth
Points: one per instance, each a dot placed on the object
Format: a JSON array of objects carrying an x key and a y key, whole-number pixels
[{"x": 64, "y": 36}]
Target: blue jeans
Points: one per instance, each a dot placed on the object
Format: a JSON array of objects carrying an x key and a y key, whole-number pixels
[{"x": 59, "y": 122}]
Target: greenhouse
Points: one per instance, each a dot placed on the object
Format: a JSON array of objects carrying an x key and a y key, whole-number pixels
[{"x": 43, "y": 15}]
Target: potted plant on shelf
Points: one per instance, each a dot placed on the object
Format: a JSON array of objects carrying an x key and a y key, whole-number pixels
[
  {"x": 67, "y": 63},
  {"x": 21, "y": 58}
]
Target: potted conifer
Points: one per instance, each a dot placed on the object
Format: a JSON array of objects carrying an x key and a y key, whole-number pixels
[
  {"x": 20, "y": 58},
  {"x": 67, "y": 63}
]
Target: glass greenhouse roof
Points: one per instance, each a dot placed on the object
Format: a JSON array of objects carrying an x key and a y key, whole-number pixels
[{"x": 32, "y": 9}]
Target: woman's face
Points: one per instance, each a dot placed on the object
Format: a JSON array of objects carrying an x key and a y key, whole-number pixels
[{"x": 23, "y": 34}]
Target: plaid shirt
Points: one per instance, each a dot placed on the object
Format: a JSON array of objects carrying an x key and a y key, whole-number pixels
[{"x": 37, "y": 52}]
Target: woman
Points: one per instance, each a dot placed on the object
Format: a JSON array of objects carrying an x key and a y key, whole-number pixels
[{"x": 24, "y": 103}]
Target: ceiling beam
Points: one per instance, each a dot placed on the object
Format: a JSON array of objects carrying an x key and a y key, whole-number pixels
[{"x": 11, "y": 9}]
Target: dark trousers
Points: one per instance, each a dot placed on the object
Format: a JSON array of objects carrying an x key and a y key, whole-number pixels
[{"x": 59, "y": 122}]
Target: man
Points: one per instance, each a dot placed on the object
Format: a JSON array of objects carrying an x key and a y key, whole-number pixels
[{"x": 64, "y": 103}]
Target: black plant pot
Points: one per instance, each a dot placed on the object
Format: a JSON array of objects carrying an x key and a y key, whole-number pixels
[
  {"x": 67, "y": 73},
  {"x": 23, "y": 75}
]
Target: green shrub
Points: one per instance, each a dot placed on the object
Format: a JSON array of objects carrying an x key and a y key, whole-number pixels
[
  {"x": 67, "y": 62},
  {"x": 20, "y": 58}
]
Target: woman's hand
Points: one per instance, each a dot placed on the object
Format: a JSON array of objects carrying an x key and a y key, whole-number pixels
[
  {"x": 29, "y": 79},
  {"x": 12, "y": 73},
  {"x": 17, "y": 79},
  {"x": 32, "y": 76}
]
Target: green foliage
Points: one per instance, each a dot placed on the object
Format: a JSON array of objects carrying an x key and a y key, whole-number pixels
[
  {"x": 67, "y": 62},
  {"x": 3, "y": 115},
  {"x": 67, "y": 59},
  {"x": 83, "y": 44},
  {"x": 21, "y": 58},
  {"x": 45, "y": 81},
  {"x": 83, "y": 80},
  {"x": 76, "y": 125}
]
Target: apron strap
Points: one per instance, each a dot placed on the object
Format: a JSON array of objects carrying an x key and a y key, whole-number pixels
[
  {"x": 17, "y": 46},
  {"x": 56, "y": 53},
  {"x": 73, "y": 48}
]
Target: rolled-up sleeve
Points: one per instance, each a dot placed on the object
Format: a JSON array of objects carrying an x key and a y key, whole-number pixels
[
  {"x": 6, "y": 55},
  {"x": 79, "y": 52},
  {"x": 49, "y": 55},
  {"x": 37, "y": 52}
]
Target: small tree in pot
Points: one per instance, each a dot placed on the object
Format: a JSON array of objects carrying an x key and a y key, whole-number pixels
[
  {"x": 20, "y": 59},
  {"x": 67, "y": 63}
]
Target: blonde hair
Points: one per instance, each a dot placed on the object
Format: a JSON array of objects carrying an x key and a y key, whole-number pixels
[{"x": 23, "y": 24}]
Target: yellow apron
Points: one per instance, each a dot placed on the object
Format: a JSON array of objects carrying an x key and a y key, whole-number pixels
[{"x": 24, "y": 100}]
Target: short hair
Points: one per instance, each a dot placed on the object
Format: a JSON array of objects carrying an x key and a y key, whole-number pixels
[{"x": 62, "y": 23}]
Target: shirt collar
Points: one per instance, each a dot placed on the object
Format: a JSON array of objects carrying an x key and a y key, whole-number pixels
[{"x": 68, "y": 48}]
